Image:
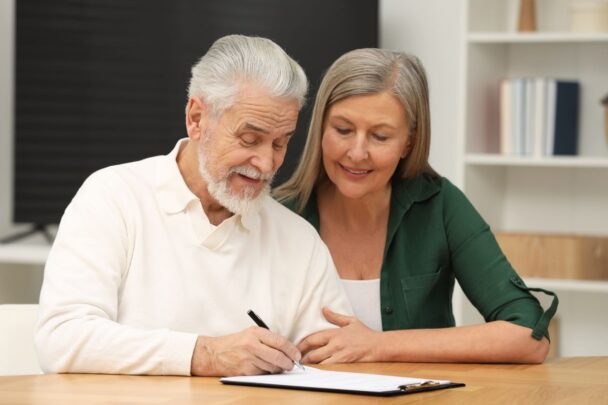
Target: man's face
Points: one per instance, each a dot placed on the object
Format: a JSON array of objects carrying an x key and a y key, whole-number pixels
[{"x": 240, "y": 151}]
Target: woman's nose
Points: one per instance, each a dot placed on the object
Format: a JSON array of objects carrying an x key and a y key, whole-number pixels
[{"x": 358, "y": 150}]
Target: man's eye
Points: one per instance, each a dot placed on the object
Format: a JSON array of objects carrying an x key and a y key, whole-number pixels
[
  {"x": 342, "y": 131},
  {"x": 249, "y": 140},
  {"x": 278, "y": 146}
]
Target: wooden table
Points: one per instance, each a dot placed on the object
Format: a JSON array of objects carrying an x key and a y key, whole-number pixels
[{"x": 582, "y": 380}]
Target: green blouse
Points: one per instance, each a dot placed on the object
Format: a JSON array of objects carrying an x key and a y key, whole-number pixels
[{"x": 435, "y": 236}]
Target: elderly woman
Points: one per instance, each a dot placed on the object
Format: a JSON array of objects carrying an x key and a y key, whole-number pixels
[{"x": 399, "y": 233}]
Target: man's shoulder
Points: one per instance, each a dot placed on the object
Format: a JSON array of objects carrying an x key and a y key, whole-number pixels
[
  {"x": 281, "y": 216},
  {"x": 124, "y": 174}
]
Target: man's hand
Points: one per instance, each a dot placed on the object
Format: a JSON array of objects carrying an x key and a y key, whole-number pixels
[
  {"x": 249, "y": 352},
  {"x": 351, "y": 342}
]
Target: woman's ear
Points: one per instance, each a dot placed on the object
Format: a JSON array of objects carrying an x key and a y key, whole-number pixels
[
  {"x": 196, "y": 117},
  {"x": 407, "y": 147}
]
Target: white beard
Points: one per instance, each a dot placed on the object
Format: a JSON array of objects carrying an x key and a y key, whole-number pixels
[{"x": 242, "y": 204}]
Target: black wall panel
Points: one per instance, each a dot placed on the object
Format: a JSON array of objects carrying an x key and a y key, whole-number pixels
[{"x": 101, "y": 82}]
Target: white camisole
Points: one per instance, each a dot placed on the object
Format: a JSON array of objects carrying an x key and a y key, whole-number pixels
[{"x": 364, "y": 295}]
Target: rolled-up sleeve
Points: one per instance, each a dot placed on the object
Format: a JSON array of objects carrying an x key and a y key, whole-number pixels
[{"x": 484, "y": 273}]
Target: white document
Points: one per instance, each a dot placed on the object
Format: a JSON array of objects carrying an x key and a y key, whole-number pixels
[{"x": 313, "y": 378}]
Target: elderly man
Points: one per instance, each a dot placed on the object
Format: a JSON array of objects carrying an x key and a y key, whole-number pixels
[{"x": 157, "y": 262}]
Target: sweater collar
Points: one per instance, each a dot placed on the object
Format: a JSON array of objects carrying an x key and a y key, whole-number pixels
[
  {"x": 173, "y": 194},
  {"x": 405, "y": 193}
]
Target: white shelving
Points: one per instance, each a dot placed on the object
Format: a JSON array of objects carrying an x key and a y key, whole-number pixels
[
  {"x": 24, "y": 254},
  {"x": 30, "y": 250},
  {"x": 21, "y": 271},
  {"x": 530, "y": 38},
  {"x": 551, "y": 194},
  {"x": 554, "y": 161},
  {"x": 568, "y": 285},
  {"x": 565, "y": 194}
]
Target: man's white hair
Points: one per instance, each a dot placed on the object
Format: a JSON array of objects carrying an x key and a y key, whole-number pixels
[{"x": 235, "y": 60}]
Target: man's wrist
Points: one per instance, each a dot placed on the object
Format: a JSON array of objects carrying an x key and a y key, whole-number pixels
[{"x": 202, "y": 359}]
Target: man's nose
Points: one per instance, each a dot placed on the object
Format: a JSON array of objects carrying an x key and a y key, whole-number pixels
[{"x": 264, "y": 160}]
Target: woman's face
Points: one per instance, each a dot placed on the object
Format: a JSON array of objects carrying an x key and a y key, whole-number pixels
[{"x": 364, "y": 137}]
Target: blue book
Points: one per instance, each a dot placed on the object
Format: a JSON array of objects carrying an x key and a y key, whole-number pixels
[{"x": 566, "y": 117}]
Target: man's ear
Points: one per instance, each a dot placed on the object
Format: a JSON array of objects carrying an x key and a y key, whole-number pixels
[{"x": 196, "y": 117}]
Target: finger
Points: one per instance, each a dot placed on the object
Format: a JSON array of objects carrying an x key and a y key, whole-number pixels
[
  {"x": 318, "y": 355},
  {"x": 337, "y": 319},
  {"x": 277, "y": 350},
  {"x": 330, "y": 360},
  {"x": 281, "y": 343},
  {"x": 315, "y": 340},
  {"x": 274, "y": 357},
  {"x": 266, "y": 367},
  {"x": 255, "y": 366}
]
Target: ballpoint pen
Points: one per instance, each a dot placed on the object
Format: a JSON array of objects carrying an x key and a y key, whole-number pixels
[{"x": 258, "y": 321}]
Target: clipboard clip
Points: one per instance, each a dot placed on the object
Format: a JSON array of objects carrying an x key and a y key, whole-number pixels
[{"x": 415, "y": 386}]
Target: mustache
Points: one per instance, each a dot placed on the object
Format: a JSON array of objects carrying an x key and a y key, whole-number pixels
[{"x": 252, "y": 173}]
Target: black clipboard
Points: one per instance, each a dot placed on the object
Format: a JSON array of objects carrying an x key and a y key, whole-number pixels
[{"x": 403, "y": 389}]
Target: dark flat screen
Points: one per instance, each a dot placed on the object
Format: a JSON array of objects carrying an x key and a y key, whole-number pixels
[{"x": 102, "y": 82}]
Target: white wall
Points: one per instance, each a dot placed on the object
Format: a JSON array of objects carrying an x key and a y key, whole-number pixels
[
  {"x": 18, "y": 283},
  {"x": 431, "y": 30},
  {"x": 6, "y": 112}
]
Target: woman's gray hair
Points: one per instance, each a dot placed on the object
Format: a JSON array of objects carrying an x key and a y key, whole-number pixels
[
  {"x": 235, "y": 60},
  {"x": 358, "y": 72}
]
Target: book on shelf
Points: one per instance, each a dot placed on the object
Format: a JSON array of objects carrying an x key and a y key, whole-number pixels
[
  {"x": 566, "y": 118},
  {"x": 506, "y": 116},
  {"x": 519, "y": 106},
  {"x": 549, "y": 130},
  {"x": 538, "y": 116},
  {"x": 540, "y": 105}
]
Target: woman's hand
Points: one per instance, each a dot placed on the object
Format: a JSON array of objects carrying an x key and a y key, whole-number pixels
[{"x": 351, "y": 342}]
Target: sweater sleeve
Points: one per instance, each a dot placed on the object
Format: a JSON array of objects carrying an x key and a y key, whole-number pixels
[
  {"x": 322, "y": 289},
  {"x": 77, "y": 331},
  {"x": 483, "y": 271}
]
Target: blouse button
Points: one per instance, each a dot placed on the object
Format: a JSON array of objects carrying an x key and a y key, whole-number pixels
[{"x": 388, "y": 310}]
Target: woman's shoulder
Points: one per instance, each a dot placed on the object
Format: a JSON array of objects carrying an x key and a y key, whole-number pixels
[
  {"x": 417, "y": 189},
  {"x": 425, "y": 186},
  {"x": 436, "y": 193},
  {"x": 289, "y": 203}
]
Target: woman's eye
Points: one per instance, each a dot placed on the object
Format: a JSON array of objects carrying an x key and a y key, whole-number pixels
[
  {"x": 342, "y": 131},
  {"x": 380, "y": 137}
]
